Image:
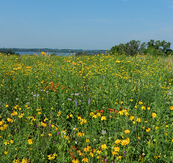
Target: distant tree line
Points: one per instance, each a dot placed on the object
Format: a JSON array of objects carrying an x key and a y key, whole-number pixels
[
  {"x": 135, "y": 47},
  {"x": 8, "y": 52}
]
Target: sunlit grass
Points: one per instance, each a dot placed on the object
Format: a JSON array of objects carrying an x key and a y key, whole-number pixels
[{"x": 99, "y": 108}]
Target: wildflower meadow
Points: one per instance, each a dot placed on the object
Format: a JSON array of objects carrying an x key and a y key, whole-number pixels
[{"x": 98, "y": 108}]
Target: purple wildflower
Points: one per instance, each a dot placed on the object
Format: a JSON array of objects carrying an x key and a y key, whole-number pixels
[
  {"x": 69, "y": 99},
  {"x": 58, "y": 133},
  {"x": 76, "y": 102},
  {"x": 88, "y": 101},
  {"x": 124, "y": 153},
  {"x": 54, "y": 141},
  {"x": 76, "y": 94}
]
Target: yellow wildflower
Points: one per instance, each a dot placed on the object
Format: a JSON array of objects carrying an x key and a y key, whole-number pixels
[
  {"x": 116, "y": 149},
  {"x": 154, "y": 115},
  {"x": 148, "y": 130},
  {"x": 103, "y": 118},
  {"x": 104, "y": 147},
  {"x": 127, "y": 131}
]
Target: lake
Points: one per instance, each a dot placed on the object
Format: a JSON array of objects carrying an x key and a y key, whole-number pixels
[{"x": 37, "y": 53}]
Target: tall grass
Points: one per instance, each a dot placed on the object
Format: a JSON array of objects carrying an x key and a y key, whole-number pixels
[{"x": 98, "y": 108}]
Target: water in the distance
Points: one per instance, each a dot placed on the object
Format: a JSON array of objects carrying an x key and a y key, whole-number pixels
[{"x": 37, "y": 53}]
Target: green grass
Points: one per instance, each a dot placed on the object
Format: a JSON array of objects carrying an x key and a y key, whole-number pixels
[{"x": 99, "y": 108}]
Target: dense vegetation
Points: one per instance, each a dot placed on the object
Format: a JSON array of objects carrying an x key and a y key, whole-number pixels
[
  {"x": 135, "y": 47},
  {"x": 93, "y": 108}
]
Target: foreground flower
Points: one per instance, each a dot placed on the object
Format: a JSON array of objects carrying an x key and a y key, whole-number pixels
[
  {"x": 103, "y": 118},
  {"x": 52, "y": 157},
  {"x": 16, "y": 160},
  {"x": 127, "y": 131},
  {"x": 116, "y": 149},
  {"x": 30, "y": 141},
  {"x": 85, "y": 160},
  {"x": 138, "y": 119},
  {"x": 154, "y": 115},
  {"x": 75, "y": 160},
  {"x": 125, "y": 142},
  {"x": 104, "y": 147},
  {"x": 117, "y": 141},
  {"x": 5, "y": 152},
  {"x": 148, "y": 130}
]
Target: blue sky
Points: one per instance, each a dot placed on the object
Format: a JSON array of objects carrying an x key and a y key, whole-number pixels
[{"x": 83, "y": 24}]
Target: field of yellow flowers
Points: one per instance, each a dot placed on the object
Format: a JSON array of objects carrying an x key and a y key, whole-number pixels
[{"x": 97, "y": 108}]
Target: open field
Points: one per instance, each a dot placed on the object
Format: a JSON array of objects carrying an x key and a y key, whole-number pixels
[{"x": 99, "y": 108}]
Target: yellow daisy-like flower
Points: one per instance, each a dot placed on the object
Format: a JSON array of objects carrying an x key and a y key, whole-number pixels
[
  {"x": 80, "y": 134},
  {"x": 59, "y": 113},
  {"x": 5, "y": 152},
  {"x": 11, "y": 141},
  {"x": 91, "y": 154},
  {"x": 116, "y": 149},
  {"x": 127, "y": 131},
  {"x": 1, "y": 123},
  {"x": 75, "y": 161},
  {"x": 156, "y": 128},
  {"x": 114, "y": 153},
  {"x": 140, "y": 102},
  {"x": 30, "y": 141},
  {"x": 125, "y": 142},
  {"x": 117, "y": 141},
  {"x": 138, "y": 119},
  {"x": 51, "y": 157},
  {"x": 154, "y": 115},
  {"x": 148, "y": 130},
  {"x": 87, "y": 140},
  {"x": 94, "y": 116},
  {"x": 85, "y": 159},
  {"x": 119, "y": 157},
  {"x": 21, "y": 115},
  {"x": 132, "y": 118},
  {"x": 24, "y": 160},
  {"x": 143, "y": 108},
  {"x": 171, "y": 107},
  {"x": 86, "y": 149},
  {"x": 99, "y": 114},
  {"x": 10, "y": 120},
  {"x": 104, "y": 147},
  {"x": 103, "y": 118}
]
